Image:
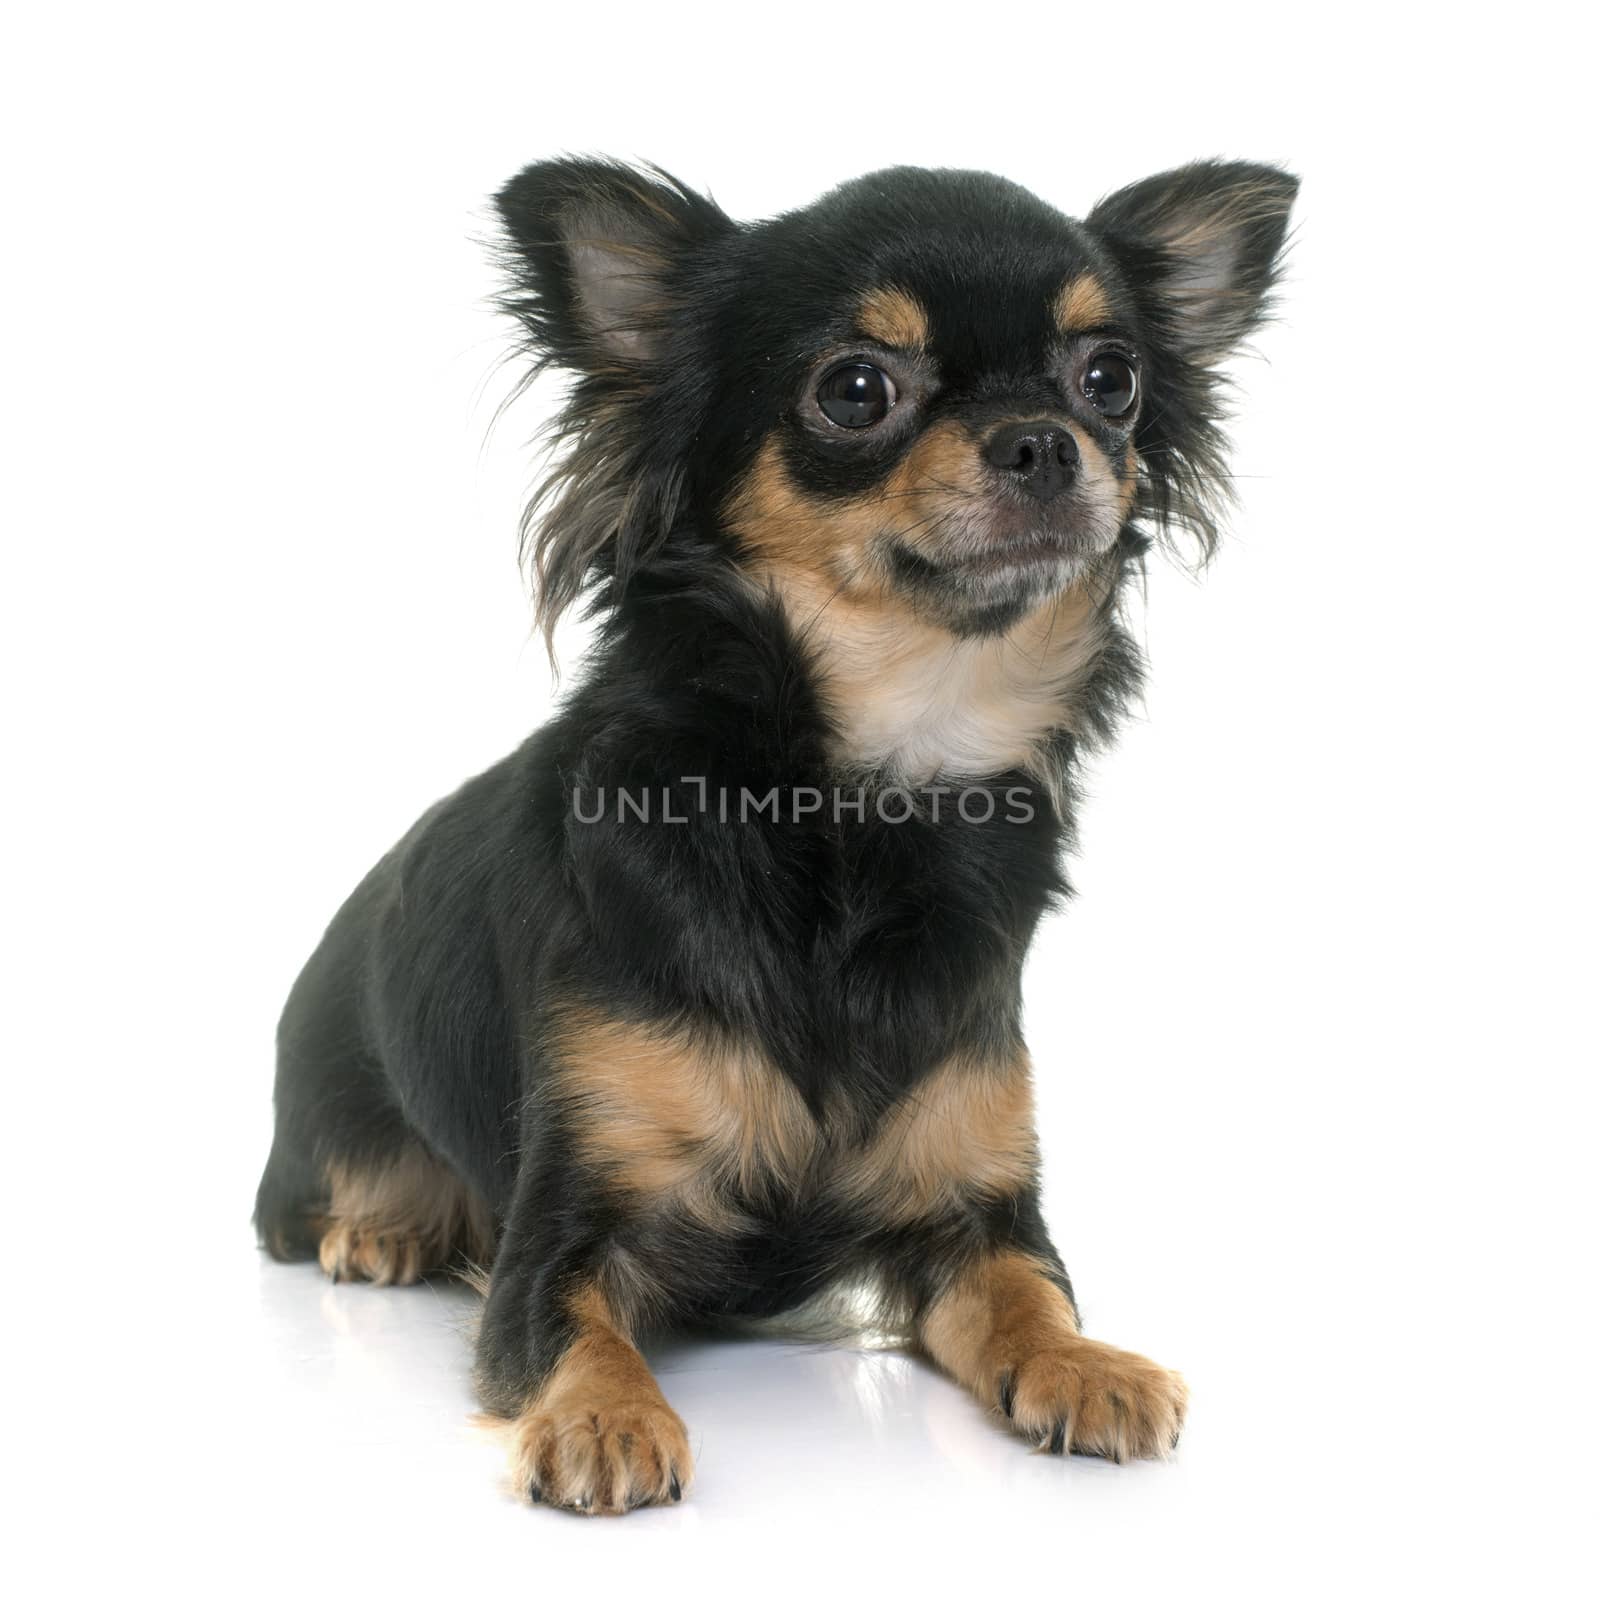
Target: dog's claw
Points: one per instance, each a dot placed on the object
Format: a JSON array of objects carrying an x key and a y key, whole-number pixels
[
  {"x": 675, "y": 1489},
  {"x": 1008, "y": 1391},
  {"x": 1058, "y": 1438}
]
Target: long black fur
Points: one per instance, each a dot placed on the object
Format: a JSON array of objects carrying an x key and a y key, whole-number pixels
[{"x": 855, "y": 955}]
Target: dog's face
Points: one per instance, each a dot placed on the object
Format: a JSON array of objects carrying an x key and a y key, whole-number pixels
[
  {"x": 929, "y": 391},
  {"x": 948, "y": 397}
]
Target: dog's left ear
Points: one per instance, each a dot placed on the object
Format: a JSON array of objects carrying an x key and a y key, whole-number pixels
[
  {"x": 1202, "y": 246},
  {"x": 598, "y": 252}
]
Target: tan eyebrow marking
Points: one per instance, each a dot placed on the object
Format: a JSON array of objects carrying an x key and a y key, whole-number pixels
[
  {"x": 893, "y": 318},
  {"x": 1082, "y": 304}
]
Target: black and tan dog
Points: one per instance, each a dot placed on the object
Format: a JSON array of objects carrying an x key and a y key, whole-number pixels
[{"x": 706, "y": 1001}]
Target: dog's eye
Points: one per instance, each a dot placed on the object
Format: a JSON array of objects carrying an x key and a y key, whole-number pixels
[
  {"x": 856, "y": 396},
  {"x": 1110, "y": 384}
]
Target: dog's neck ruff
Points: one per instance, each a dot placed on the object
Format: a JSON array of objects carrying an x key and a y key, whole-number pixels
[{"x": 912, "y": 703}]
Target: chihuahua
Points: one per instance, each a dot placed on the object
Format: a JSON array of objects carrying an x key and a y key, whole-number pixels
[{"x": 704, "y": 1006}]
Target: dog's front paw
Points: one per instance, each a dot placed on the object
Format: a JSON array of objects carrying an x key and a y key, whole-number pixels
[
  {"x": 1094, "y": 1400},
  {"x": 600, "y": 1456}
]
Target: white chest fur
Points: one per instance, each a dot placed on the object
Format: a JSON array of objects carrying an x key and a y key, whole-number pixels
[{"x": 912, "y": 702}]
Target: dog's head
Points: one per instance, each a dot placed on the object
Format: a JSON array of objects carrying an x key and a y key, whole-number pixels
[{"x": 928, "y": 391}]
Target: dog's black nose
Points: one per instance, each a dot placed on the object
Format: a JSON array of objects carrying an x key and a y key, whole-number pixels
[{"x": 1041, "y": 456}]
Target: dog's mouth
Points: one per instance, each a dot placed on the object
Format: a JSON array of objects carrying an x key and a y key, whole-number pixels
[
  {"x": 983, "y": 572},
  {"x": 994, "y": 549},
  {"x": 1006, "y": 532},
  {"x": 1041, "y": 551}
]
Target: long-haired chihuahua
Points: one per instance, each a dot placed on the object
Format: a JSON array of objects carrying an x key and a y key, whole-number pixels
[{"x": 705, "y": 1004}]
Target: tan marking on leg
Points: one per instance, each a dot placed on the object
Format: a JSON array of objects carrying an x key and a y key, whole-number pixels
[
  {"x": 965, "y": 1132},
  {"x": 1082, "y": 304},
  {"x": 670, "y": 1115},
  {"x": 1006, "y": 1332},
  {"x": 893, "y": 318},
  {"x": 391, "y": 1224},
  {"x": 599, "y": 1436}
]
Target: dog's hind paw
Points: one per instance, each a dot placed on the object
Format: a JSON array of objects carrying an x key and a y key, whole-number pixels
[{"x": 350, "y": 1252}]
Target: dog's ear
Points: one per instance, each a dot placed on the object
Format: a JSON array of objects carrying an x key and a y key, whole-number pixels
[
  {"x": 604, "y": 261},
  {"x": 1203, "y": 246},
  {"x": 597, "y": 250}
]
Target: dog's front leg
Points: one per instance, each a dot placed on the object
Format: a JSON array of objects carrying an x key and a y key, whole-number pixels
[
  {"x": 1004, "y": 1327},
  {"x": 590, "y": 1429}
]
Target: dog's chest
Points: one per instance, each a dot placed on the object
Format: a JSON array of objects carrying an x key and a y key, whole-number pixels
[
  {"x": 714, "y": 1130},
  {"x": 911, "y": 702},
  {"x": 961, "y": 710}
]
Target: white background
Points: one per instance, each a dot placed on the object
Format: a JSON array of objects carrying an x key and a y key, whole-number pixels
[{"x": 1314, "y": 1042}]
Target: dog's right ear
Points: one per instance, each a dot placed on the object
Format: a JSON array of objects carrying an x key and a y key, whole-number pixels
[
  {"x": 597, "y": 251},
  {"x": 602, "y": 260}
]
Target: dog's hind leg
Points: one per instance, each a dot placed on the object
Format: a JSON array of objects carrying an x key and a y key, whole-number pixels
[
  {"x": 349, "y": 1181},
  {"x": 384, "y": 1209},
  {"x": 393, "y": 1223}
]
